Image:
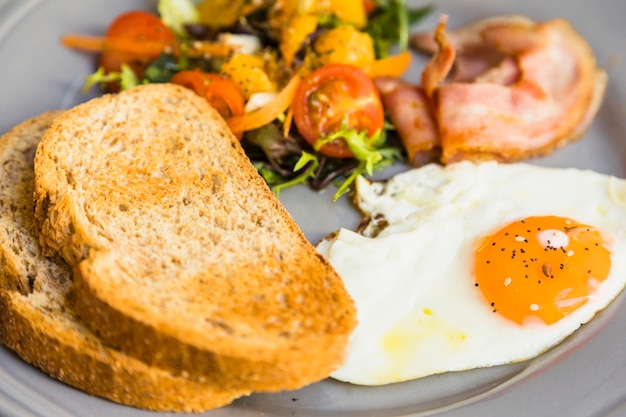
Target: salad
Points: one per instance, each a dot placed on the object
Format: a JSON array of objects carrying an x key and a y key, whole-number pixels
[{"x": 292, "y": 78}]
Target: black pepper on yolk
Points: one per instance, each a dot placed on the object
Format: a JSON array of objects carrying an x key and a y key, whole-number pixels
[{"x": 542, "y": 267}]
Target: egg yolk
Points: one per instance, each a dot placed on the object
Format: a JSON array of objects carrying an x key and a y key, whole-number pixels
[{"x": 542, "y": 267}]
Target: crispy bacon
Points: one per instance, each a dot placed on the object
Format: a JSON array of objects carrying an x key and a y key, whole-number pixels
[
  {"x": 506, "y": 88},
  {"x": 442, "y": 61},
  {"x": 473, "y": 56},
  {"x": 409, "y": 110}
]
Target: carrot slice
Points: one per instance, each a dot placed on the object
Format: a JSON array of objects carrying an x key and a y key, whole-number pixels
[
  {"x": 394, "y": 66},
  {"x": 143, "y": 48},
  {"x": 100, "y": 44},
  {"x": 204, "y": 48},
  {"x": 83, "y": 42},
  {"x": 288, "y": 122},
  {"x": 264, "y": 115}
]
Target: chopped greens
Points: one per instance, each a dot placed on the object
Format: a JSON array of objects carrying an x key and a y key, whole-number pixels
[
  {"x": 371, "y": 153},
  {"x": 359, "y": 144},
  {"x": 279, "y": 151},
  {"x": 163, "y": 69},
  {"x": 389, "y": 24},
  {"x": 309, "y": 162},
  {"x": 126, "y": 77}
]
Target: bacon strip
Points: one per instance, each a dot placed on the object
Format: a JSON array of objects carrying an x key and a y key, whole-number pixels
[
  {"x": 467, "y": 36},
  {"x": 409, "y": 110},
  {"x": 533, "y": 87},
  {"x": 474, "y": 56},
  {"x": 440, "y": 65},
  {"x": 531, "y": 117}
]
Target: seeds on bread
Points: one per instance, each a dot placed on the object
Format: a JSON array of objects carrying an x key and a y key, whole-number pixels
[
  {"x": 182, "y": 255},
  {"x": 38, "y": 324}
]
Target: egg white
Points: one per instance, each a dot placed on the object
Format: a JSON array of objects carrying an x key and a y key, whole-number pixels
[{"x": 418, "y": 310}]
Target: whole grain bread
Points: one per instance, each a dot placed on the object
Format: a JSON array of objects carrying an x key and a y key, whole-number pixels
[
  {"x": 183, "y": 256},
  {"x": 38, "y": 324}
]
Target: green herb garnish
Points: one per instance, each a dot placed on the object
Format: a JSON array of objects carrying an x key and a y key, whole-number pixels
[
  {"x": 390, "y": 22},
  {"x": 371, "y": 153}
]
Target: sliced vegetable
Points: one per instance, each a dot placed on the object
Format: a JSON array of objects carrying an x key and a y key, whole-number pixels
[
  {"x": 248, "y": 72},
  {"x": 350, "y": 11},
  {"x": 369, "y": 6},
  {"x": 344, "y": 45},
  {"x": 371, "y": 153},
  {"x": 326, "y": 124},
  {"x": 294, "y": 34},
  {"x": 283, "y": 10},
  {"x": 331, "y": 95},
  {"x": 219, "y": 13},
  {"x": 268, "y": 113},
  {"x": 83, "y": 42},
  {"x": 135, "y": 27},
  {"x": 392, "y": 66},
  {"x": 287, "y": 123},
  {"x": 221, "y": 92},
  {"x": 225, "y": 13},
  {"x": 146, "y": 47}
]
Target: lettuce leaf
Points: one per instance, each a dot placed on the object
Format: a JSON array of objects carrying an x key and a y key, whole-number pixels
[{"x": 177, "y": 13}]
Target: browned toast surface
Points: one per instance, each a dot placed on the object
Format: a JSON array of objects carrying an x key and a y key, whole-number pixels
[
  {"x": 38, "y": 324},
  {"x": 183, "y": 256}
]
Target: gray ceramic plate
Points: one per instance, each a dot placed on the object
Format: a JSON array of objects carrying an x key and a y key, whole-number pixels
[{"x": 583, "y": 377}]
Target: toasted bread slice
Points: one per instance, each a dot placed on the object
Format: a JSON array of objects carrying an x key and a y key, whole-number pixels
[
  {"x": 183, "y": 256},
  {"x": 37, "y": 323}
]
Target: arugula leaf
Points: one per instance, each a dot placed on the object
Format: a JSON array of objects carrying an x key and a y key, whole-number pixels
[
  {"x": 269, "y": 175},
  {"x": 390, "y": 22},
  {"x": 387, "y": 157},
  {"x": 126, "y": 77},
  {"x": 358, "y": 142},
  {"x": 308, "y": 161},
  {"x": 371, "y": 152},
  {"x": 162, "y": 69}
]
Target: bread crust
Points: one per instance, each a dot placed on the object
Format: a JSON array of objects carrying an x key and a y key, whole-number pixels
[
  {"x": 183, "y": 257},
  {"x": 37, "y": 323}
]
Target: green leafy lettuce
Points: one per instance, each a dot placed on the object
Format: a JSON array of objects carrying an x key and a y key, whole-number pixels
[
  {"x": 126, "y": 77},
  {"x": 176, "y": 14},
  {"x": 371, "y": 152},
  {"x": 390, "y": 22}
]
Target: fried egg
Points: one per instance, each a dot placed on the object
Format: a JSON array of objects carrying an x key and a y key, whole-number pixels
[{"x": 476, "y": 264}]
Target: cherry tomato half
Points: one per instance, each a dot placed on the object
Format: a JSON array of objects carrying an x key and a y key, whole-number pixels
[
  {"x": 135, "y": 26},
  {"x": 328, "y": 95},
  {"x": 221, "y": 92},
  {"x": 370, "y": 6}
]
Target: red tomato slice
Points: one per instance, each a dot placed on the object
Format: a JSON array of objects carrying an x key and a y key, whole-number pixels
[
  {"x": 135, "y": 26},
  {"x": 328, "y": 95},
  {"x": 370, "y": 6},
  {"x": 221, "y": 92}
]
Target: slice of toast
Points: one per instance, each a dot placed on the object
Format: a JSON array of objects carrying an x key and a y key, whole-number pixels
[
  {"x": 37, "y": 323},
  {"x": 183, "y": 256}
]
